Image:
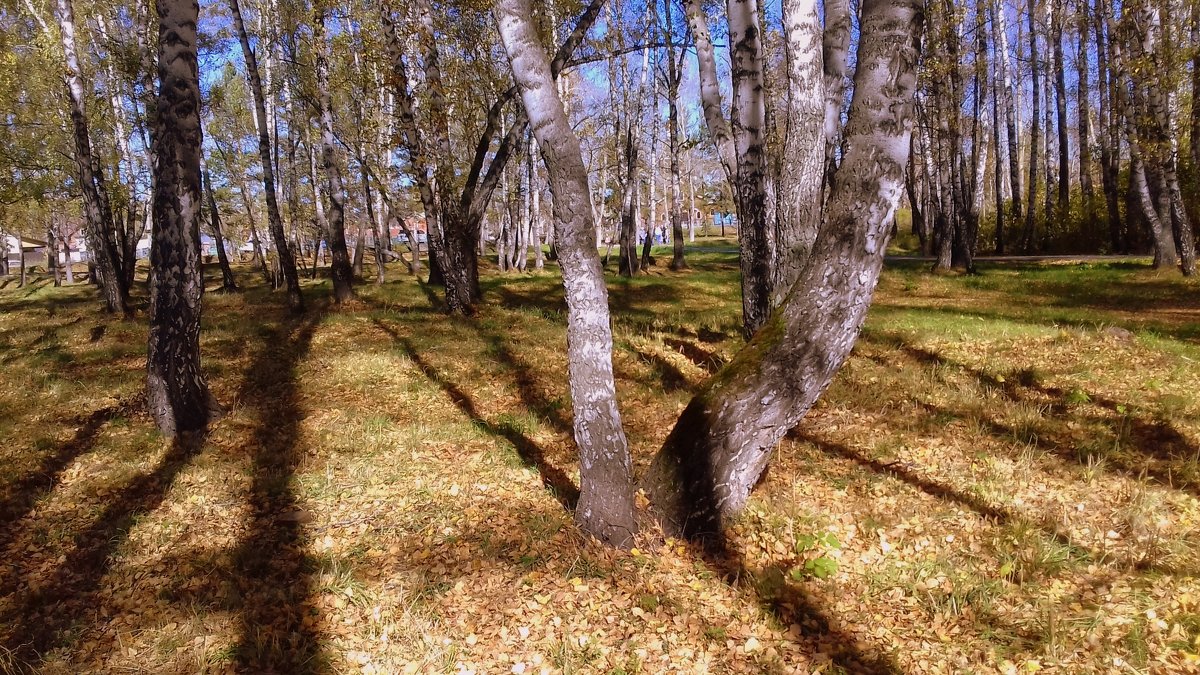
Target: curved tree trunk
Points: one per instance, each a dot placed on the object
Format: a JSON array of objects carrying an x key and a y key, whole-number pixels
[
  {"x": 287, "y": 261},
  {"x": 605, "y": 506},
  {"x": 723, "y": 441},
  {"x": 177, "y": 393}
]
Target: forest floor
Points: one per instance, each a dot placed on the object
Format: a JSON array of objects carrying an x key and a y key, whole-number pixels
[{"x": 1003, "y": 478}]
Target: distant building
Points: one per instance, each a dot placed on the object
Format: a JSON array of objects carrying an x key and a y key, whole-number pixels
[{"x": 36, "y": 251}]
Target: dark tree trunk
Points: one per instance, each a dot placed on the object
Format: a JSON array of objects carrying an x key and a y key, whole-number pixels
[
  {"x": 98, "y": 217},
  {"x": 722, "y": 443},
  {"x": 605, "y": 507},
  {"x": 1060, "y": 104},
  {"x": 1028, "y": 240},
  {"x": 52, "y": 252},
  {"x": 228, "y": 283},
  {"x": 343, "y": 274},
  {"x": 177, "y": 394},
  {"x": 287, "y": 261}
]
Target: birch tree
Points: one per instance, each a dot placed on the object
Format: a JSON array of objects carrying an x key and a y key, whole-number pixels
[
  {"x": 274, "y": 219},
  {"x": 177, "y": 393},
  {"x": 605, "y": 507},
  {"x": 723, "y": 441}
]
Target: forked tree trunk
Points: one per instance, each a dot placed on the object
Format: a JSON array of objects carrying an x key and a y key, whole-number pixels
[
  {"x": 177, "y": 394},
  {"x": 723, "y": 441},
  {"x": 98, "y": 218},
  {"x": 287, "y": 262},
  {"x": 605, "y": 507}
]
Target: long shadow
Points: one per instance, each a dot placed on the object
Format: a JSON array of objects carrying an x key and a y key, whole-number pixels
[
  {"x": 20, "y": 496},
  {"x": 554, "y": 478},
  {"x": 792, "y": 604},
  {"x": 1157, "y": 440},
  {"x": 44, "y": 618},
  {"x": 273, "y": 574},
  {"x": 527, "y": 386},
  {"x": 941, "y": 491}
]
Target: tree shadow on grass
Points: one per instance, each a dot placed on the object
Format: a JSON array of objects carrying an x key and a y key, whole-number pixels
[
  {"x": 43, "y": 620},
  {"x": 554, "y": 478},
  {"x": 20, "y": 496},
  {"x": 792, "y": 605},
  {"x": 1159, "y": 449},
  {"x": 272, "y": 571}
]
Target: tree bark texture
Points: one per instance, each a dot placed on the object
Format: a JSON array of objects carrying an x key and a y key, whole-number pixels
[
  {"x": 749, "y": 119},
  {"x": 177, "y": 393},
  {"x": 835, "y": 53},
  {"x": 721, "y": 444},
  {"x": 805, "y": 153},
  {"x": 605, "y": 508}
]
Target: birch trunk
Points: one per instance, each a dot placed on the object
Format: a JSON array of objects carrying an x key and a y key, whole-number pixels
[
  {"x": 805, "y": 152},
  {"x": 342, "y": 272},
  {"x": 100, "y": 227},
  {"x": 177, "y": 394},
  {"x": 1027, "y": 238},
  {"x": 1108, "y": 134},
  {"x": 228, "y": 283},
  {"x": 723, "y": 441},
  {"x": 1083, "y": 96},
  {"x": 605, "y": 508},
  {"x": 287, "y": 261},
  {"x": 748, "y": 112},
  {"x": 835, "y": 48},
  {"x": 1060, "y": 105}
]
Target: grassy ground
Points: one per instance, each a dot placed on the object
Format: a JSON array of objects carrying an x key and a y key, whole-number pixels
[{"x": 1004, "y": 478}]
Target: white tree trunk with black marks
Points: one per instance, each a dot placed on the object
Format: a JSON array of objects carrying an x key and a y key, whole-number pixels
[
  {"x": 804, "y": 152},
  {"x": 287, "y": 262},
  {"x": 723, "y": 441},
  {"x": 99, "y": 228},
  {"x": 177, "y": 393},
  {"x": 605, "y": 506}
]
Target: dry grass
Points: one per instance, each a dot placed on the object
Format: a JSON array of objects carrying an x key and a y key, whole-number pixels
[{"x": 998, "y": 481}]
